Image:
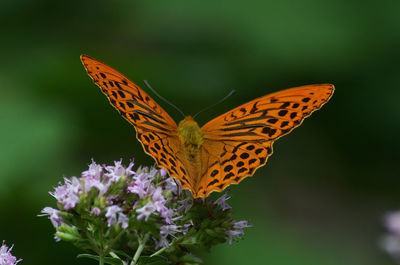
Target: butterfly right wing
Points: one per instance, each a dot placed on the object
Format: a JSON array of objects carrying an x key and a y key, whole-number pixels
[
  {"x": 238, "y": 142},
  {"x": 155, "y": 129}
]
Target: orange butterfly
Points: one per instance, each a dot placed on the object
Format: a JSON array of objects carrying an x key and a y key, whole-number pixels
[{"x": 224, "y": 151}]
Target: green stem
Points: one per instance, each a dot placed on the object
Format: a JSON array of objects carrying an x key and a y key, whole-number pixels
[
  {"x": 142, "y": 244},
  {"x": 101, "y": 254},
  {"x": 158, "y": 252}
]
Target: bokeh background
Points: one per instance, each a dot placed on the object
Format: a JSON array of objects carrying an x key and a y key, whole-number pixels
[{"x": 321, "y": 197}]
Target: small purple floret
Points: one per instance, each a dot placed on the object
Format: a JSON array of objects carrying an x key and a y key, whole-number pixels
[
  {"x": 111, "y": 214},
  {"x": 95, "y": 171},
  {"x": 392, "y": 222},
  {"x": 68, "y": 194},
  {"x": 237, "y": 230},
  {"x": 185, "y": 204},
  {"x": 6, "y": 258},
  {"x": 221, "y": 201},
  {"x": 146, "y": 211},
  {"x": 142, "y": 184},
  {"x": 118, "y": 170},
  {"x": 53, "y": 215},
  {"x": 96, "y": 211}
]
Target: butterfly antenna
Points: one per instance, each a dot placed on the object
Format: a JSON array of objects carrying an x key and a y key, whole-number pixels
[
  {"x": 167, "y": 101},
  {"x": 215, "y": 104}
]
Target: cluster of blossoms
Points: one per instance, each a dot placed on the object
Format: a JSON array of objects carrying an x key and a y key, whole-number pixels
[
  {"x": 115, "y": 211},
  {"x": 391, "y": 241},
  {"x": 6, "y": 258}
]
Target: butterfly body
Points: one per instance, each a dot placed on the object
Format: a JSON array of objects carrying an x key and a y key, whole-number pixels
[
  {"x": 191, "y": 137},
  {"x": 225, "y": 150}
]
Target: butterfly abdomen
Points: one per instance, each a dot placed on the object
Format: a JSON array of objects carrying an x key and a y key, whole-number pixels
[{"x": 191, "y": 138}]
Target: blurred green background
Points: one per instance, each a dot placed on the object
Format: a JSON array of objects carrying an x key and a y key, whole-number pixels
[{"x": 321, "y": 197}]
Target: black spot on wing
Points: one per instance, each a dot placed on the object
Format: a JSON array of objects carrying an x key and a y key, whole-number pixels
[
  {"x": 239, "y": 164},
  {"x": 244, "y": 156},
  {"x": 241, "y": 170},
  {"x": 214, "y": 173},
  {"x": 259, "y": 150},
  {"x": 228, "y": 168},
  {"x": 285, "y": 105},
  {"x": 228, "y": 176},
  {"x": 250, "y": 147},
  {"x": 269, "y": 131},
  {"x": 212, "y": 182},
  {"x": 282, "y": 113},
  {"x": 121, "y": 94}
]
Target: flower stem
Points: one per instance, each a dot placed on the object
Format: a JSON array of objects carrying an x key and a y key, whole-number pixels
[
  {"x": 158, "y": 252},
  {"x": 142, "y": 244},
  {"x": 101, "y": 254}
]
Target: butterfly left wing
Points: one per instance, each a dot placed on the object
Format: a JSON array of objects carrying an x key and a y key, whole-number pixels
[
  {"x": 155, "y": 129},
  {"x": 238, "y": 142}
]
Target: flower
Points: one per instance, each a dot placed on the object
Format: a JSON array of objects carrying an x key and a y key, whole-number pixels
[
  {"x": 166, "y": 230},
  {"x": 141, "y": 185},
  {"x": 52, "y": 213},
  {"x": 146, "y": 211},
  {"x": 111, "y": 214},
  {"x": 96, "y": 211},
  {"x": 391, "y": 244},
  {"x": 185, "y": 204},
  {"x": 237, "y": 231},
  {"x": 123, "y": 220},
  {"x": 159, "y": 200},
  {"x": 95, "y": 171},
  {"x": 93, "y": 182},
  {"x": 167, "y": 214},
  {"x": 162, "y": 243},
  {"x": 392, "y": 222},
  {"x": 119, "y": 207},
  {"x": 163, "y": 172},
  {"x": 221, "y": 201},
  {"x": 6, "y": 258},
  {"x": 391, "y": 241},
  {"x": 117, "y": 171},
  {"x": 67, "y": 194},
  {"x": 171, "y": 186}
]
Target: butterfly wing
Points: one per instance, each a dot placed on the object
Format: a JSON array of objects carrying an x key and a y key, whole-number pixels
[
  {"x": 238, "y": 142},
  {"x": 155, "y": 129}
]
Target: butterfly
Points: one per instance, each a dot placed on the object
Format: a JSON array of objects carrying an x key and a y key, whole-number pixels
[{"x": 225, "y": 150}]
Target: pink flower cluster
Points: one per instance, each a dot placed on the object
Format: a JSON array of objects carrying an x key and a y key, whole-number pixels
[{"x": 118, "y": 197}]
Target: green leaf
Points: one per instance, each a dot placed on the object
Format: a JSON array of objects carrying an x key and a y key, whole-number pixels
[
  {"x": 156, "y": 260},
  {"x": 112, "y": 261}
]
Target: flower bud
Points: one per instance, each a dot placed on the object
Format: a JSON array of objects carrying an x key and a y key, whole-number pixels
[{"x": 67, "y": 237}]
